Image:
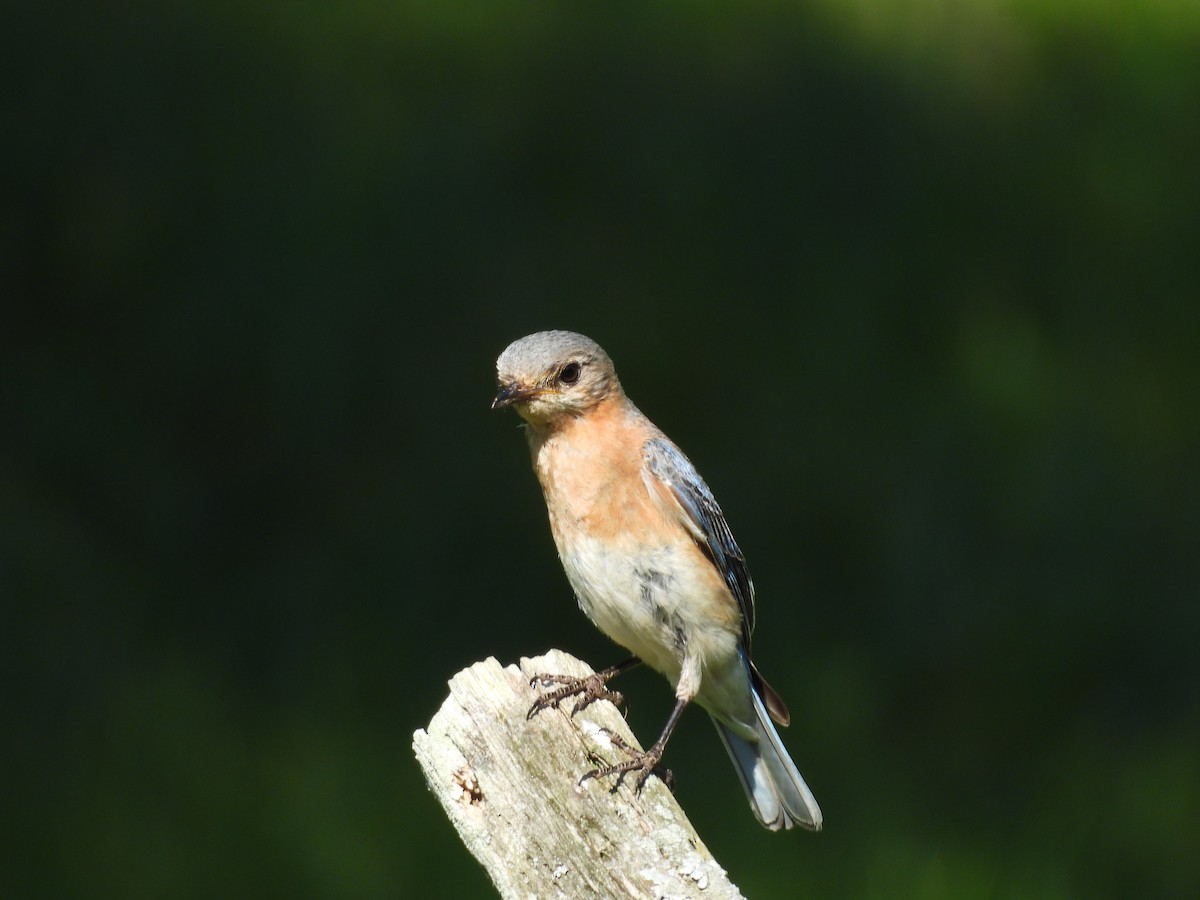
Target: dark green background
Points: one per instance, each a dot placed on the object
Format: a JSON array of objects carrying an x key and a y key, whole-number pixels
[{"x": 916, "y": 285}]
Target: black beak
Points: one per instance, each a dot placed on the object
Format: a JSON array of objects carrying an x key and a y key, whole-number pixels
[{"x": 512, "y": 393}]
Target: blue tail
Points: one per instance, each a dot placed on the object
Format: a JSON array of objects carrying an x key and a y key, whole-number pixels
[{"x": 775, "y": 787}]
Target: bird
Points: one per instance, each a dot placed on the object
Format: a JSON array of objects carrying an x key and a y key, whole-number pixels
[{"x": 652, "y": 562}]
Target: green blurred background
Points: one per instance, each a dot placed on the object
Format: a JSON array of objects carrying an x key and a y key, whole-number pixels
[{"x": 915, "y": 284}]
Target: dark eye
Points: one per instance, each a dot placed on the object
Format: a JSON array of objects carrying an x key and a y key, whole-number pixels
[{"x": 570, "y": 373}]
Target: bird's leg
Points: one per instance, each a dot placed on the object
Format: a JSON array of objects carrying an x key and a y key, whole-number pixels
[
  {"x": 588, "y": 689},
  {"x": 644, "y": 762}
]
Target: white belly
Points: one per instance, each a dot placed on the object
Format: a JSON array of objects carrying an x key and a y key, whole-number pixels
[{"x": 652, "y": 603}]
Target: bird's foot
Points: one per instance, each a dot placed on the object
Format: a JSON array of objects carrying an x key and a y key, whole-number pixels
[
  {"x": 588, "y": 689},
  {"x": 644, "y": 762}
]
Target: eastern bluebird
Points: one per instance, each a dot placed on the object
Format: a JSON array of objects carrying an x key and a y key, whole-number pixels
[{"x": 651, "y": 560}]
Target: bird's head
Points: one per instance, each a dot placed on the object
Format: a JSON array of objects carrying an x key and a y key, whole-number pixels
[{"x": 553, "y": 374}]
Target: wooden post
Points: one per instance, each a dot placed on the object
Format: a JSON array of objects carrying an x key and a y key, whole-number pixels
[{"x": 511, "y": 788}]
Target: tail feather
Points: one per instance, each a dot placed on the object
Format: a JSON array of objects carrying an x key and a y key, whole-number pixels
[{"x": 773, "y": 784}]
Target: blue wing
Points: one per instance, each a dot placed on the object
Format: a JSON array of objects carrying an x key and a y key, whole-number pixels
[{"x": 667, "y": 463}]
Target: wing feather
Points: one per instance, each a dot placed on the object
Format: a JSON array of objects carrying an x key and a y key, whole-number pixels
[{"x": 703, "y": 517}]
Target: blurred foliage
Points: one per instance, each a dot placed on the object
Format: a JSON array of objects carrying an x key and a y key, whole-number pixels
[{"x": 914, "y": 283}]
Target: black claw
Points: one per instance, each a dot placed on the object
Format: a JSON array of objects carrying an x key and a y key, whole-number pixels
[
  {"x": 588, "y": 689},
  {"x": 644, "y": 762}
]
